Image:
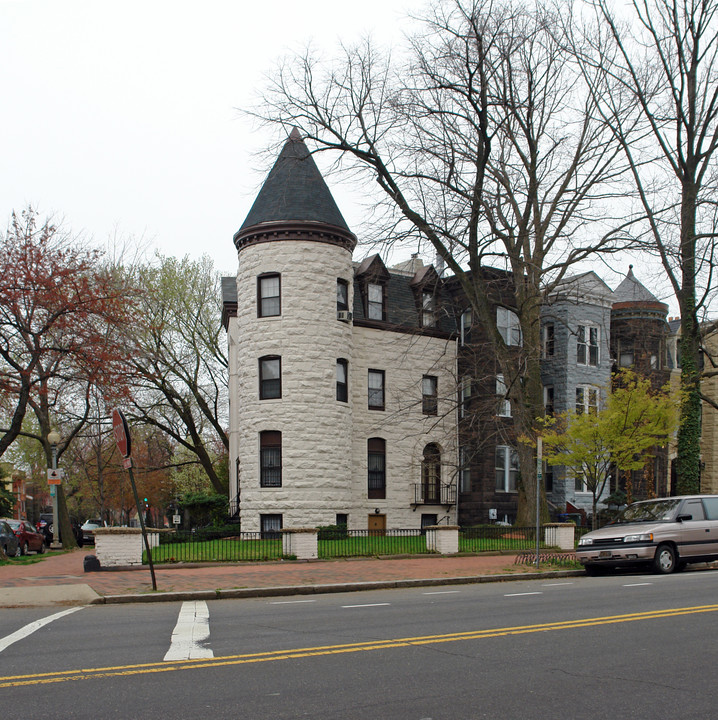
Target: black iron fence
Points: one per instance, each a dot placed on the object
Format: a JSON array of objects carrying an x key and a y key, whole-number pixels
[{"x": 229, "y": 545}]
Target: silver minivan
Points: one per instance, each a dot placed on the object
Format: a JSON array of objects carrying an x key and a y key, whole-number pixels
[{"x": 668, "y": 533}]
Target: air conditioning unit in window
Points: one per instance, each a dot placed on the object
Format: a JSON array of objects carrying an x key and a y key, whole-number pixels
[{"x": 344, "y": 315}]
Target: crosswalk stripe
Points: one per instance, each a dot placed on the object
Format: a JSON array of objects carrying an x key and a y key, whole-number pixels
[
  {"x": 23, "y": 632},
  {"x": 190, "y": 633}
]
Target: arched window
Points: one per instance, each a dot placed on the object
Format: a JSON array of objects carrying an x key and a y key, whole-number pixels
[{"x": 431, "y": 473}]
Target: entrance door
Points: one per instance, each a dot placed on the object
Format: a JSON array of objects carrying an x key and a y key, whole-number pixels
[{"x": 377, "y": 524}]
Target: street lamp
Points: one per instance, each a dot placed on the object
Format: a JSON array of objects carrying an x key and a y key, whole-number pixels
[{"x": 53, "y": 437}]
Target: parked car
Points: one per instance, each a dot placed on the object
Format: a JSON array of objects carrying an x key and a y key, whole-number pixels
[
  {"x": 28, "y": 537},
  {"x": 88, "y": 529},
  {"x": 8, "y": 540},
  {"x": 44, "y": 525},
  {"x": 667, "y": 533}
]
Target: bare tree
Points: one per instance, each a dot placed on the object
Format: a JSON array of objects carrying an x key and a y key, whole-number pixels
[
  {"x": 180, "y": 361},
  {"x": 486, "y": 149},
  {"x": 653, "y": 72}
]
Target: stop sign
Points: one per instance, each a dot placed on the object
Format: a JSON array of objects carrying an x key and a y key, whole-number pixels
[{"x": 122, "y": 433}]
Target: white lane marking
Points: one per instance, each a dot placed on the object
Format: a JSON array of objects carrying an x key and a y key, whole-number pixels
[
  {"x": 555, "y": 584},
  {"x": 290, "y": 602},
  {"x": 191, "y": 631},
  {"x": 637, "y": 584},
  {"x": 536, "y": 592},
  {"x": 367, "y": 605},
  {"x": 33, "y": 626},
  {"x": 441, "y": 592}
]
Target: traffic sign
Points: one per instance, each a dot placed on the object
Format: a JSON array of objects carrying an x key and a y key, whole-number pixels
[
  {"x": 54, "y": 477},
  {"x": 122, "y": 433}
]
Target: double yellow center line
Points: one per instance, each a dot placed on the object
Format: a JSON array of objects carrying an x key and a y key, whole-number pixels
[{"x": 293, "y": 654}]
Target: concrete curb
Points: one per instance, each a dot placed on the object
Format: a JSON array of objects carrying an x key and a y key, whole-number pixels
[{"x": 276, "y": 591}]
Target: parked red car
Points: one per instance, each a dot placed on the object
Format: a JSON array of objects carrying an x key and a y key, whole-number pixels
[{"x": 27, "y": 537}]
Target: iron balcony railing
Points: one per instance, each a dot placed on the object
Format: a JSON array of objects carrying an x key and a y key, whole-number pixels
[{"x": 434, "y": 494}]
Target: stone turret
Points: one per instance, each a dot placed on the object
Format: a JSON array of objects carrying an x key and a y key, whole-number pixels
[{"x": 293, "y": 419}]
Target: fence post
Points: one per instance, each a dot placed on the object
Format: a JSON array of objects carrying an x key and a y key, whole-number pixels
[
  {"x": 560, "y": 535},
  {"x": 302, "y": 543},
  {"x": 443, "y": 539}
]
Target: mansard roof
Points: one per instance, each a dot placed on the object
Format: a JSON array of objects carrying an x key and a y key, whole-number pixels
[{"x": 294, "y": 191}]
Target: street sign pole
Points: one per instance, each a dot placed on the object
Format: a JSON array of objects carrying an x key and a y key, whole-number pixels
[{"x": 124, "y": 445}]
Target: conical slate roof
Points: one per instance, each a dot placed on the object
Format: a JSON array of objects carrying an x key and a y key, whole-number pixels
[
  {"x": 632, "y": 291},
  {"x": 294, "y": 191}
]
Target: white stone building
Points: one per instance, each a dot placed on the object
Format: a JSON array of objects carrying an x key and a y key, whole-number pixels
[{"x": 342, "y": 374}]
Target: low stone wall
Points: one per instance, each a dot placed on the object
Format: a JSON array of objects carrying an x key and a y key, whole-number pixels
[
  {"x": 301, "y": 543},
  {"x": 122, "y": 546},
  {"x": 443, "y": 539},
  {"x": 560, "y": 535}
]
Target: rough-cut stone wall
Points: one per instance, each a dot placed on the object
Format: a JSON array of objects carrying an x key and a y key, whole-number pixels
[
  {"x": 316, "y": 428},
  {"x": 405, "y": 359}
]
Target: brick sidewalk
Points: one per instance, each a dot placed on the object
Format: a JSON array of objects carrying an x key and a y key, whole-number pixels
[{"x": 68, "y": 569}]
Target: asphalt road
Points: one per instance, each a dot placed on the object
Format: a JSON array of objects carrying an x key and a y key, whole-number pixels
[{"x": 628, "y": 646}]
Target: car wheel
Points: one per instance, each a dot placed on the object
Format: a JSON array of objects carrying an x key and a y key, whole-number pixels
[
  {"x": 593, "y": 569},
  {"x": 18, "y": 550},
  {"x": 665, "y": 560},
  {"x": 23, "y": 549},
  {"x": 42, "y": 548}
]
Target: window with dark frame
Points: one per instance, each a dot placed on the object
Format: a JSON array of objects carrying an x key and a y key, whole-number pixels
[
  {"x": 465, "y": 325},
  {"x": 464, "y": 469},
  {"x": 270, "y": 377},
  {"x": 342, "y": 380},
  {"x": 268, "y": 295},
  {"x": 342, "y": 295},
  {"x": 549, "y": 341},
  {"x": 376, "y": 468},
  {"x": 429, "y": 395},
  {"x": 464, "y": 397},
  {"x": 376, "y": 389},
  {"x": 270, "y": 459},
  {"x": 548, "y": 400},
  {"x": 271, "y": 526}
]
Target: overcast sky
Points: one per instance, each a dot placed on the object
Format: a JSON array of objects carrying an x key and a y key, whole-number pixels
[{"x": 121, "y": 117}]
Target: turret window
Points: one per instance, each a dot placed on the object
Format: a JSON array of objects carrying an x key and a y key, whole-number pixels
[
  {"x": 268, "y": 296},
  {"x": 342, "y": 381},
  {"x": 270, "y": 458},
  {"x": 270, "y": 377},
  {"x": 342, "y": 295}
]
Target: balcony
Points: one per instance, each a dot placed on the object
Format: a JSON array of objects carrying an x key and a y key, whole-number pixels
[{"x": 434, "y": 494}]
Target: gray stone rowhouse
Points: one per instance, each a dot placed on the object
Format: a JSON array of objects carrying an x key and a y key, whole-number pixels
[{"x": 574, "y": 367}]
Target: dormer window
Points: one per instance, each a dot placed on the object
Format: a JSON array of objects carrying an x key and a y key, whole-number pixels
[
  {"x": 428, "y": 308},
  {"x": 375, "y": 301}
]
